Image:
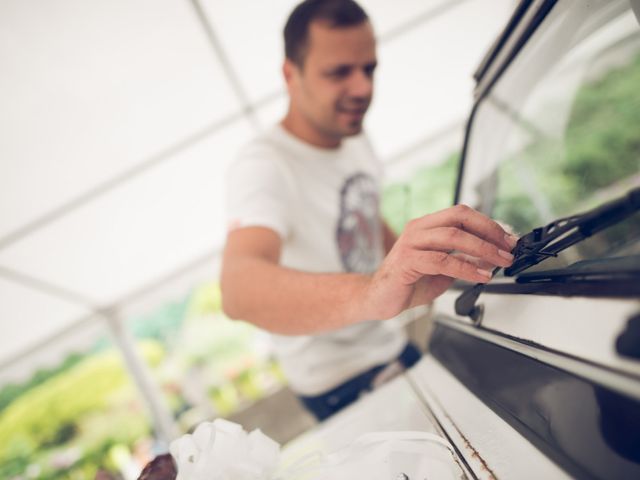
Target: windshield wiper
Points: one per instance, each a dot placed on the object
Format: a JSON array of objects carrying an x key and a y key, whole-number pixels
[
  {"x": 544, "y": 242},
  {"x": 605, "y": 269},
  {"x": 559, "y": 235}
]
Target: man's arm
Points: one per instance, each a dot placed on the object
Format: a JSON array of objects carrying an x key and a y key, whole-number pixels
[
  {"x": 418, "y": 268},
  {"x": 257, "y": 289}
]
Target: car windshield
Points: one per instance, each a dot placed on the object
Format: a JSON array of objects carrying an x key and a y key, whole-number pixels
[{"x": 558, "y": 133}]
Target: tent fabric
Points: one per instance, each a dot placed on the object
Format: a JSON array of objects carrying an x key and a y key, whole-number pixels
[{"x": 118, "y": 119}]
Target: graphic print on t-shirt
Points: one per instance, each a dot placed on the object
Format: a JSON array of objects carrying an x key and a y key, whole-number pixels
[{"x": 358, "y": 229}]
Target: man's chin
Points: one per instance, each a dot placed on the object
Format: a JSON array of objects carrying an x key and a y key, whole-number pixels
[{"x": 354, "y": 128}]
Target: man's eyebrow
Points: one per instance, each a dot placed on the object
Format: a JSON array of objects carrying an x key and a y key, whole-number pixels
[{"x": 342, "y": 67}]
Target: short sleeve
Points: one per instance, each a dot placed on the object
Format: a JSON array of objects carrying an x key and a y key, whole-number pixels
[{"x": 258, "y": 193}]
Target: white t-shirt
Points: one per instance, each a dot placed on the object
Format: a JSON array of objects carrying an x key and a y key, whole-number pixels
[{"x": 324, "y": 204}]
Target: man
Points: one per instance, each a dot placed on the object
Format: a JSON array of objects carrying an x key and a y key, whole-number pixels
[{"x": 303, "y": 202}]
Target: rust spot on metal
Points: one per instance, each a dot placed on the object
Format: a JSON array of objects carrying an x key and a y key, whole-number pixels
[{"x": 469, "y": 447}]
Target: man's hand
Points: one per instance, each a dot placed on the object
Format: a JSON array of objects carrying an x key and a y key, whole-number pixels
[{"x": 432, "y": 251}]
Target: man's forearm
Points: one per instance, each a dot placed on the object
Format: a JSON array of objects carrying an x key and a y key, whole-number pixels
[{"x": 288, "y": 301}]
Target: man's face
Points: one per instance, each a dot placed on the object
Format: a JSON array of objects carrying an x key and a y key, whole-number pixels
[{"x": 332, "y": 91}]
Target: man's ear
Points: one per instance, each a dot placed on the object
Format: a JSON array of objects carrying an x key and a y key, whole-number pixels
[{"x": 289, "y": 69}]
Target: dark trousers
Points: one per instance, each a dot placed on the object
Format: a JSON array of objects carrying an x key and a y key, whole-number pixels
[{"x": 326, "y": 404}]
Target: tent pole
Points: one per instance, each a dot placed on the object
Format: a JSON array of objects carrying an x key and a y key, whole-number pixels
[{"x": 163, "y": 422}]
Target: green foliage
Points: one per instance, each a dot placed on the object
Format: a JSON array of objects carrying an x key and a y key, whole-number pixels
[
  {"x": 205, "y": 300},
  {"x": 206, "y": 336},
  {"x": 10, "y": 392},
  {"x": 600, "y": 150},
  {"x": 68, "y": 420},
  {"x": 165, "y": 323},
  {"x": 162, "y": 323},
  {"x": 430, "y": 189},
  {"x": 53, "y": 412},
  {"x": 225, "y": 398},
  {"x": 395, "y": 205},
  {"x": 44, "y": 410},
  {"x": 602, "y": 136}
]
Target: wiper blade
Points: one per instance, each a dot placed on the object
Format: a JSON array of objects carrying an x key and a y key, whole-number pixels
[
  {"x": 608, "y": 268},
  {"x": 548, "y": 241}
]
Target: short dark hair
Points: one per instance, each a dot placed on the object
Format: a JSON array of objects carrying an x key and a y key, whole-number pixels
[{"x": 337, "y": 13}]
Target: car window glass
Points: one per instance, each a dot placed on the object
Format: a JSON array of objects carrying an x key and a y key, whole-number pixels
[{"x": 559, "y": 132}]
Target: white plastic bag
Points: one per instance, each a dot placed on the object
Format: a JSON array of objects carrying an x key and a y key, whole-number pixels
[
  {"x": 381, "y": 456},
  {"x": 222, "y": 450}
]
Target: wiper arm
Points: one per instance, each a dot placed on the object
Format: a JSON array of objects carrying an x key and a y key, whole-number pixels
[{"x": 548, "y": 241}]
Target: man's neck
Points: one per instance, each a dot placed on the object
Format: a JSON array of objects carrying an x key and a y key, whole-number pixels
[{"x": 302, "y": 130}]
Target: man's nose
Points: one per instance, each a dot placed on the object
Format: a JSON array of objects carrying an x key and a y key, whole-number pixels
[{"x": 361, "y": 84}]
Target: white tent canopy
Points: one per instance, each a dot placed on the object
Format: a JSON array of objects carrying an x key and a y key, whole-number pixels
[{"x": 118, "y": 119}]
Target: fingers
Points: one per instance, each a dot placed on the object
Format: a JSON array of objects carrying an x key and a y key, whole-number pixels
[
  {"x": 478, "y": 262},
  {"x": 451, "y": 238},
  {"x": 469, "y": 220},
  {"x": 480, "y": 244},
  {"x": 442, "y": 263}
]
